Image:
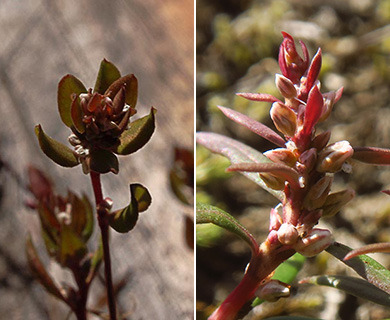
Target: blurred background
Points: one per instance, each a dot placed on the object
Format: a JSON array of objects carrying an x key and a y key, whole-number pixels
[
  {"x": 237, "y": 46},
  {"x": 40, "y": 42}
]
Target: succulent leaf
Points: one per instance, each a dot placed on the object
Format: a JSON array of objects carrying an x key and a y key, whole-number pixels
[
  {"x": 209, "y": 214},
  {"x": 237, "y": 152},
  {"x": 56, "y": 151},
  {"x": 138, "y": 134},
  {"x": 125, "y": 219},
  {"x": 351, "y": 285},
  {"x": 68, "y": 86},
  {"x": 108, "y": 73}
]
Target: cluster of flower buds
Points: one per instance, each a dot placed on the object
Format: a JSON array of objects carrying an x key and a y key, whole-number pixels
[
  {"x": 99, "y": 119},
  {"x": 304, "y": 164}
]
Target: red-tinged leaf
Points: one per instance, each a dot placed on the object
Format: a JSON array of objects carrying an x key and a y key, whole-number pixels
[
  {"x": 370, "y": 248},
  {"x": 138, "y": 134},
  {"x": 68, "y": 86},
  {"x": 39, "y": 271},
  {"x": 209, "y": 214},
  {"x": 253, "y": 125},
  {"x": 77, "y": 115},
  {"x": 313, "y": 110},
  {"x": 372, "y": 155},
  {"x": 339, "y": 93},
  {"x": 258, "y": 97},
  {"x": 314, "y": 71},
  {"x": 55, "y": 150},
  {"x": 351, "y": 285},
  {"x": 79, "y": 215},
  {"x": 131, "y": 84},
  {"x": 277, "y": 169},
  {"x": 103, "y": 161},
  {"x": 39, "y": 184},
  {"x": 125, "y": 219},
  {"x": 387, "y": 192},
  {"x": 237, "y": 152},
  {"x": 108, "y": 73},
  {"x": 72, "y": 248},
  {"x": 365, "y": 266}
]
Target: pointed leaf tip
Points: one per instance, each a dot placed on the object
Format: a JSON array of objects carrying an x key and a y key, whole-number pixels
[
  {"x": 209, "y": 214},
  {"x": 139, "y": 133},
  {"x": 108, "y": 73},
  {"x": 68, "y": 86},
  {"x": 56, "y": 151},
  {"x": 131, "y": 84}
]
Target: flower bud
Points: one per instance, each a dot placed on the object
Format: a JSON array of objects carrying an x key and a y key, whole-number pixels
[
  {"x": 315, "y": 242},
  {"x": 287, "y": 234},
  {"x": 335, "y": 201},
  {"x": 285, "y": 86},
  {"x": 321, "y": 140},
  {"x": 332, "y": 158},
  {"x": 318, "y": 193},
  {"x": 284, "y": 118},
  {"x": 308, "y": 158},
  {"x": 273, "y": 290},
  {"x": 282, "y": 155},
  {"x": 275, "y": 220},
  {"x": 272, "y": 181}
]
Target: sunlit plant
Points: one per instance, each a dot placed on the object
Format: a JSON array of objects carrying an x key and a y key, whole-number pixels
[
  {"x": 101, "y": 129},
  {"x": 299, "y": 173}
]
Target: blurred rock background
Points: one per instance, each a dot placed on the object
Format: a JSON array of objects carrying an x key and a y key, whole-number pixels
[
  {"x": 237, "y": 47},
  {"x": 40, "y": 42}
]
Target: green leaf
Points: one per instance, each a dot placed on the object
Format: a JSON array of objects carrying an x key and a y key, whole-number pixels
[
  {"x": 56, "y": 151},
  {"x": 39, "y": 271},
  {"x": 108, "y": 73},
  {"x": 209, "y": 214},
  {"x": 142, "y": 196},
  {"x": 103, "y": 161},
  {"x": 237, "y": 153},
  {"x": 365, "y": 266},
  {"x": 286, "y": 272},
  {"x": 138, "y": 134},
  {"x": 131, "y": 83},
  {"x": 124, "y": 220},
  {"x": 355, "y": 286},
  {"x": 68, "y": 86},
  {"x": 72, "y": 248}
]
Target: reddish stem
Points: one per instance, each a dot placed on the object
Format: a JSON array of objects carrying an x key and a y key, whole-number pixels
[
  {"x": 103, "y": 224},
  {"x": 259, "y": 269}
]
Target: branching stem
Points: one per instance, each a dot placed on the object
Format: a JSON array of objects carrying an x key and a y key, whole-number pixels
[{"x": 104, "y": 229}]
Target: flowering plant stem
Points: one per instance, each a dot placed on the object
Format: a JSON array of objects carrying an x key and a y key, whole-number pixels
[
  {"x": 259, "y": 270},
  {"x": 103, "y": 224}
]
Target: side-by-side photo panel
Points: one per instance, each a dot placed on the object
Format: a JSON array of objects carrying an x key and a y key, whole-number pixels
[
  {"x": 96, "y": 161},
  {"x": 292, "y": 156}
]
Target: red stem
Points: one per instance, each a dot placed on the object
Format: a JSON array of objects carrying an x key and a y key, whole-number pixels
[
  {"x": 259, "y": 269},
  {"x": 103, "y": 224}
]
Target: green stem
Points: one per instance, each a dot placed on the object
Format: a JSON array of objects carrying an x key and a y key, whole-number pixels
[{"x": 104, "y": 229}]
